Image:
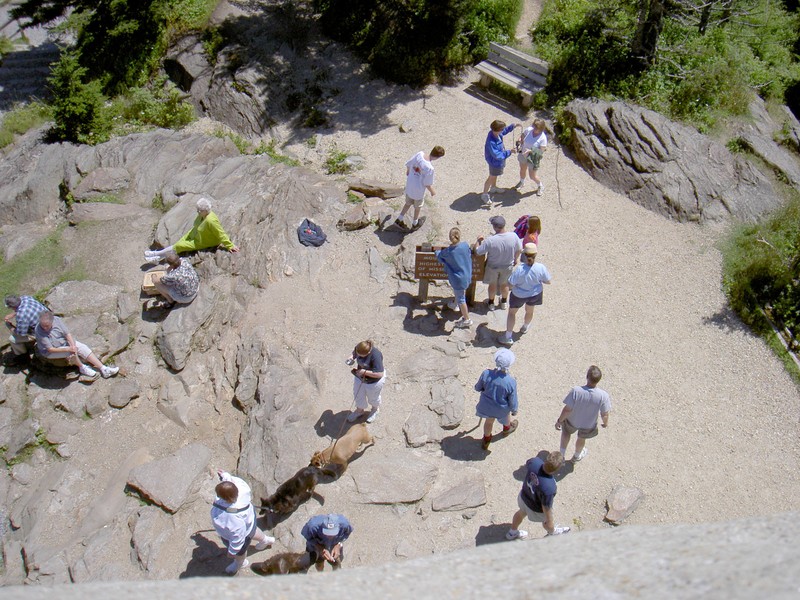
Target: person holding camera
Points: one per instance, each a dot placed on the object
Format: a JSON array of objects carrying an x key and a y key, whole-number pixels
[{"x": 369, "y": 377}]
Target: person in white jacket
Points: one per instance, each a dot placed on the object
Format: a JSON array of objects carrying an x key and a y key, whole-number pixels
[{"x": 234, "y": 519}]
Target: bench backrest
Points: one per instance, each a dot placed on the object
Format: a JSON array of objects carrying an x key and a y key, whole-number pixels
[{"x": 519, "y": 63}]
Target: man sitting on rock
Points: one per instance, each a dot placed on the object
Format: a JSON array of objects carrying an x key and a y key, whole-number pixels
[
  {"x": 55, "y": 342},
  {"x": 22, "y": 323},
  {"x": 206, "y": 232}
]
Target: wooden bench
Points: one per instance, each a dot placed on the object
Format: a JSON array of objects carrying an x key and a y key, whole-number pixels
[
  {"x": 523, "y": 72},
  {"x": 427, "y": 268}
]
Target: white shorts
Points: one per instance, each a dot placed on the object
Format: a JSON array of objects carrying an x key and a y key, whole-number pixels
[
  {"x": 368, "y": 394},
  {"x": 83, "y": 352},
  {"x": 536, "y": 517}
]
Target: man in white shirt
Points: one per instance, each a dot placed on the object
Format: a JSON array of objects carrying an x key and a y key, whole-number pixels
[{"x": 419, "y": 177}]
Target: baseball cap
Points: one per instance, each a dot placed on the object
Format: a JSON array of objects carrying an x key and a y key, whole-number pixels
[
  {"x": 498, "y": 222},
  {"x": 331, "y": 527},
  {"x": 530, "y": 248}
]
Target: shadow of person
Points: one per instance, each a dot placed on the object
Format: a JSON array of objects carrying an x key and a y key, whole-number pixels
[
  {"x": 469, "y": 202},
  {"x": 208, "y": 559},
  {"x": 491, "y": 534},
  {"x": 331, "y": 425},
  {"x": 463, "y": 447}
]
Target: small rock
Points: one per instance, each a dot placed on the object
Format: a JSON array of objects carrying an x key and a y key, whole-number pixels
[
  {"x": 96, "y": 404},
  {"x": 288, "y": 271},
  {"x": 354, "y": 161},
  {"x": 404, "y": 549},
  {"x": 406, "y": 126},
  {"x": 468, "y": 493},
  {"x": 123, "y": 392},
  {"x": 356, "y": 218},
  {"x": 379, "y": 269},
  {"x": 622, "y": 502},
  {"x": 421, "y": 428},
  {"x": 447, "y": 401},
  {"x": 22, "y": 473},
  {"x": 60, "y": 430}
]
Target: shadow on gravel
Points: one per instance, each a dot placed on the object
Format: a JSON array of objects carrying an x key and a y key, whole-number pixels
[
  {"x": 208, "y": 559},
  {"x": 488, "y": 97},
  {"x": 727, "y": 320},
  {"x": 463, "y": 447},
  {"x": 331, "y": 425},
  {"x": 491, "y": 534}
]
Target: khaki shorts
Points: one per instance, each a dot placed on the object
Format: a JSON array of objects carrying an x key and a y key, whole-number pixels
[
  {"x": 536, "y": 517},
  {"x": 418, "y": 203},
  {"x": 582, "y": 433},
  {"x": 497, "y": 276}
]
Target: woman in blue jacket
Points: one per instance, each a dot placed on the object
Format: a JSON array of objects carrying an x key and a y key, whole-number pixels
[
  {"x": 498, "y": 399},
  {"x": 495, "y": 153},
  {"x": 457, "y": 261}
]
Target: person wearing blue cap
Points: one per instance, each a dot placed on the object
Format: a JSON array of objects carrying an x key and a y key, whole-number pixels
[
  {"x": 498, "y": 396},
  {"x": 324, "y": 536}
]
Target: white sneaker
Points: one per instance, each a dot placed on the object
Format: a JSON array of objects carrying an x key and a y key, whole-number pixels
[
  {"x": 107, "y": 372},
  {"x": 495, "y": 190},
  {"x": 234, "y": 567},
  {"x": 486, "y": 199},
  {"x": 506, "y": 340},
  {"x": 452, "y": 305},
  {"x": 153, "y": 260},
  {"x": 373, "y": 415},
  {"x": 516, "y": 534},
  {"x": 580, "y": 456},
  {"x": 268, "y": 541},
  {"x": 559, "y": 531},
  {"x": 87, "y": 371},
  {"x": 520, "y": 184},
  {"x": 540, "y": 190},
  {"x": 525, "y": 329},
  {"x": 463, "y": 323}
]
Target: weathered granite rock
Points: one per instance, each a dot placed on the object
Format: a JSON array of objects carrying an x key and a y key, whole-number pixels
[
  {"x": 392, "y": 477},
  {"x": 123, "y": 392},
  {"x": 357, "y": 217},
  {"x": 469, "y": 492},
  {"x": 103, "y": 211},
  {"x": 21, "y": 436},
  {"x": 96, "y": 403},
  {"x": 422, "y": 428},
  {"x": 150, "y": 529},
  {"x": 72, "y": 399},
  {"x": 58, "y": 431},
  {"x": 186, "y": 62},
  {"x": 100, "y": 181},
  {"x": 379, "y": 269},
  {"x": 16, "y": 239},
  {"x": 665, "y": 166},
  {"x": 621, "y": 502},
  {"x": 170, "y": 481},
  {"x": 175, "y": 402},
  {"x": 426, "y": 366},
  {"x": 174, "y": 338},
  {"x": 75, "y": 297},
  {"x": 447, "y": 401},
  {"x": 92, "y": 564},
  {"x": 376, "y": 189}
]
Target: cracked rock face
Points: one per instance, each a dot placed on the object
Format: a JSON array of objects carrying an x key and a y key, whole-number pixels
[{"x": 665, "y": 166}]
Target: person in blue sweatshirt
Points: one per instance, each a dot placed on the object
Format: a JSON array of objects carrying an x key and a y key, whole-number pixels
[
  {"x": 457, "y": 261},
  {"x": 495, "y": 153}
]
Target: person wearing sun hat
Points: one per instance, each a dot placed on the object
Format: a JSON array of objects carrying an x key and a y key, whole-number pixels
[
  {"x": 324, "y": 535},
  {"x": 526, "y": 290},
  {"x": 498, "y": 396}
]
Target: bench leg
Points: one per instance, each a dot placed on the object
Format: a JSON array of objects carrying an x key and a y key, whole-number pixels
[
  {"x": 485, "y": 81},
  {"x": 527, "y": 100}
]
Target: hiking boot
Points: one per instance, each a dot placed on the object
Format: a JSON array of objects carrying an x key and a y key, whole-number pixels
[
  {"x": 355, "y": 415},
  {"x": 463, "y": 323},
  {"x": 559, "y": 531},
  {"x": 511, "y": 428},
  {"x": 516, "y": 534},
  {"x": 485, "y": 443},
  {"x": 373, "y": 414},
  {"x": 268, "y": 541},
  {"x": 579, "y": 456},
  {"x": 486, "y": 199}
]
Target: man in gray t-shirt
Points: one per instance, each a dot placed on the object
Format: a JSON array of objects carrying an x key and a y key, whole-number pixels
[
  {"x": 502, "y": 252},
  {"x": 54, "y": 341},
  {"x": 581, "y": 407}
]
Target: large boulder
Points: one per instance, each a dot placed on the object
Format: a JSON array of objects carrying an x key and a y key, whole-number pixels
[
  {"x": 393, "y": 476},
  {"x": 73, "y": 297},
  {"x": 174, "y": 338},
  {"x": 665, "y": 166}
]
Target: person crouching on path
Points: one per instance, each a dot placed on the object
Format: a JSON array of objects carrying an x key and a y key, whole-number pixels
[
  {"x": 457, "y": 261},
  {"x": 526, "y": 290},
  {"x": 495, "y": 154},
  {"x": 419, "y": 177},
  {"x": 324, "y": 536},
  {"x": 498, "y": 396},
  {"x": 206, "y": 232},
  {"x": 535, "y": 500},
  {"x": 581, "y": 407},
  {"x": 534, "y": 144},
  {"x": 234, "y": 519},
  {"x": 179, "y": 284},
  {"x": 370, "y": 376}
]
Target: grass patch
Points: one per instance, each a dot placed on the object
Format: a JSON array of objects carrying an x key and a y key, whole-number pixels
[
  {"x": 22, "y": 119},
  {"x": 25, "y": 453},
  {"x": 354, "y": 198},
  {"x": 158, "y": 203},
  {"x": 241, "y": 143},
  {"x": 42, "y": 263},
  {"x": 274, "y": 155},
  {"x": 189, "y": 15},
  {"x": 312, "y": 142},
  {"x": 335, "y": 163}
]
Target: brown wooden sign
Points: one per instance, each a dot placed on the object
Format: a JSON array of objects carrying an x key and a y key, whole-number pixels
[{"x": 427, "y": 267}]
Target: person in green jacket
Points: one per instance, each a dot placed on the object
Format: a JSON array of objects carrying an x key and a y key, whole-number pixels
[{"x": 206, "y": 232}]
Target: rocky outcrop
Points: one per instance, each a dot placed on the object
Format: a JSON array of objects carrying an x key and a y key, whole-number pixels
[{"x": 665, "y": 166}]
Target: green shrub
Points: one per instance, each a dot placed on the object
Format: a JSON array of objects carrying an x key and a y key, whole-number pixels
[
  {"x": 78, "y": 113},
  {"x": 6, "y": 46},
  {"x": 21, "y": 119},
  {"x": 160, "y": 105},
  {"x": 274, "y": 155},
  {"x": 335, "y": 163}
]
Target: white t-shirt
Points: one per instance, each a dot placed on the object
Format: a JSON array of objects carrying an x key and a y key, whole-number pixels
[
  {"x": 531, "y": 141},
  {"x": 420, "y": 175}
]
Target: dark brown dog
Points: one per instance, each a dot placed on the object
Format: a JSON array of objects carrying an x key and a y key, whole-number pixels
[
  {"x": 336, "y": 456},
  {"x": 293, "y": 492},
  {"x": 283, "y": 564}
]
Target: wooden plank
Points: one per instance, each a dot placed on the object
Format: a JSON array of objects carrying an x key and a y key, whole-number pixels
[
  {"x": 533, "y": 63},
  {"x": 524, "y": 85}
]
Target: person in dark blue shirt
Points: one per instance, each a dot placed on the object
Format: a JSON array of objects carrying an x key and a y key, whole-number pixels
[
  {"x": 535, "y": 500},
  {"x": 324, "y": 536}
]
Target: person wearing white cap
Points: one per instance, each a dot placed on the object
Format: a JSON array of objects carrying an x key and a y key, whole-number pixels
[
  {"x": 324, "y": 536},
  {"x": 526, "y": 290},
  {"x": 498, "y": 396},
  {"x": 234, "y": 519}
]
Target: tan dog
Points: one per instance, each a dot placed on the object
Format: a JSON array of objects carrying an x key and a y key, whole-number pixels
[{"x": 337, "y": 455}]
